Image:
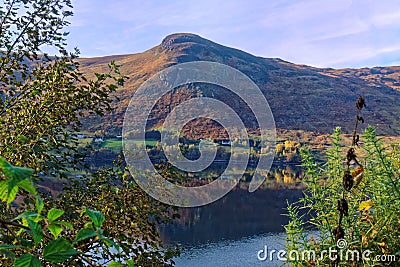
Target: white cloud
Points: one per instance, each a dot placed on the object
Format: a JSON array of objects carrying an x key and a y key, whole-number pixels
[{"x": 386, "y": 19}]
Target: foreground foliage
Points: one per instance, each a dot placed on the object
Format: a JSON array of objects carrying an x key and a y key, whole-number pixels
[
  {"x": 38, "y": 235},
  {"x": 131, "y": 217},
  {"x": 101, "y": 219},
  {"x": 369, "y": 209}
]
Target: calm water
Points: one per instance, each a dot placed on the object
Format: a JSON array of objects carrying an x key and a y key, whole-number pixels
[
  {"x": 240, "y": 253},
  {"x": 238, "y": 214},
  {"x": 230, "y": 231}
]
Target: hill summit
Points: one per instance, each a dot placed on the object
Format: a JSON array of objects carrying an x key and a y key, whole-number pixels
[{"x": 301, "y": 97}]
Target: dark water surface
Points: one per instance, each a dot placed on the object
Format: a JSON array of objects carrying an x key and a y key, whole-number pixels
[
  {"x": 230, "y": 231},
  {"x": 238, "y": 214}
]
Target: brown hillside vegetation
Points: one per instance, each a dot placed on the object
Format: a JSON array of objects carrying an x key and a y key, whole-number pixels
[{"x": 301, "y": 97}]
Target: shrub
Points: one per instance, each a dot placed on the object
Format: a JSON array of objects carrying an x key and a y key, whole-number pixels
[{"x": 351, "y": 206}]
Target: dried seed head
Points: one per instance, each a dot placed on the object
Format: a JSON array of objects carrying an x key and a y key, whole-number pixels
[
  {"x": 347, "y": 181},
  {"x": 360, "y": 103},
  {"x": 351, "y": 156}
]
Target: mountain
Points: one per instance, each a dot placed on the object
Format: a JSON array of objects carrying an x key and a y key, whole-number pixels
[{"x": 301, "y": 97}]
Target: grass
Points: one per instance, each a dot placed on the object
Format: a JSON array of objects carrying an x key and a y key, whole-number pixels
[
  {"x": 116, "y": 144},
  {"x": 113, "y": 144}
]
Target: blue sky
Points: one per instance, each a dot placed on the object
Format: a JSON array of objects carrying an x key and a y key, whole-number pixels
[{"x": 319, "y": 33}]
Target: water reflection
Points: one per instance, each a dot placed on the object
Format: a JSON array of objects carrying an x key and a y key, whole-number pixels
[
  {"x": 239, "y": 213},
  {"x": 286, "y": 174}
]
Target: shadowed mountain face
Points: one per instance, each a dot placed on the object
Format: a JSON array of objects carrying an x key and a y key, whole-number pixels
[{"x": 301, "y": 97}]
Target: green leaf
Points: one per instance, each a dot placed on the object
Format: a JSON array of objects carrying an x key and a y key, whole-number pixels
[
  {"x": 27, "y": 244},
  {"x": 36, "y": 230},
  {"x": 54, "y": 214},
  {"x": 130, "y": 263},
  {"x": 7, "y": 246},
  {"x": 19, "y": 173},
  {"x": 26, "y": 214},
  {"x": 4, "y": 163},
  {"x": 12, "y": 194},
  {"x": 55, "y": 230},
  {"x": 14, "y": 175},
  {"x": 5, "y": 195},
  {"x": 27, "y": 260},
  {"x": 96, "y": 217},
  {"x": 116, "y": 264},
  {"x": 3, "y": 190},
  {"x": 66, "y": 224},
  {"x": 84, "y": 234},
  {"x": 59, "y": 250},
  {"x": 109, "y": 242},
  {"x": 28, "y": 186},
  {"x": 39, "y": 205}
]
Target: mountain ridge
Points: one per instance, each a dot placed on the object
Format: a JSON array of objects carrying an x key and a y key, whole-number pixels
[{"x": 301, "y": 97}]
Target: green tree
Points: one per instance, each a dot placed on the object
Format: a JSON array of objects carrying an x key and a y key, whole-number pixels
[
  {"x": 42, "y": 99},
  {"x": 131, "y": 217}
]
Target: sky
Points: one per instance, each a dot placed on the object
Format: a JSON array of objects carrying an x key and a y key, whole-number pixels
[{"x": 320, "y": 33}]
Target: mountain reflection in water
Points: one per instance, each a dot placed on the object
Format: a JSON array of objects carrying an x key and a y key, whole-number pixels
[{"x": 239, "y": 213}]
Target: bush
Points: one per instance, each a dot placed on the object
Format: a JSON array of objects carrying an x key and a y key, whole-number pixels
[{"x": 351, "y": 206}]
